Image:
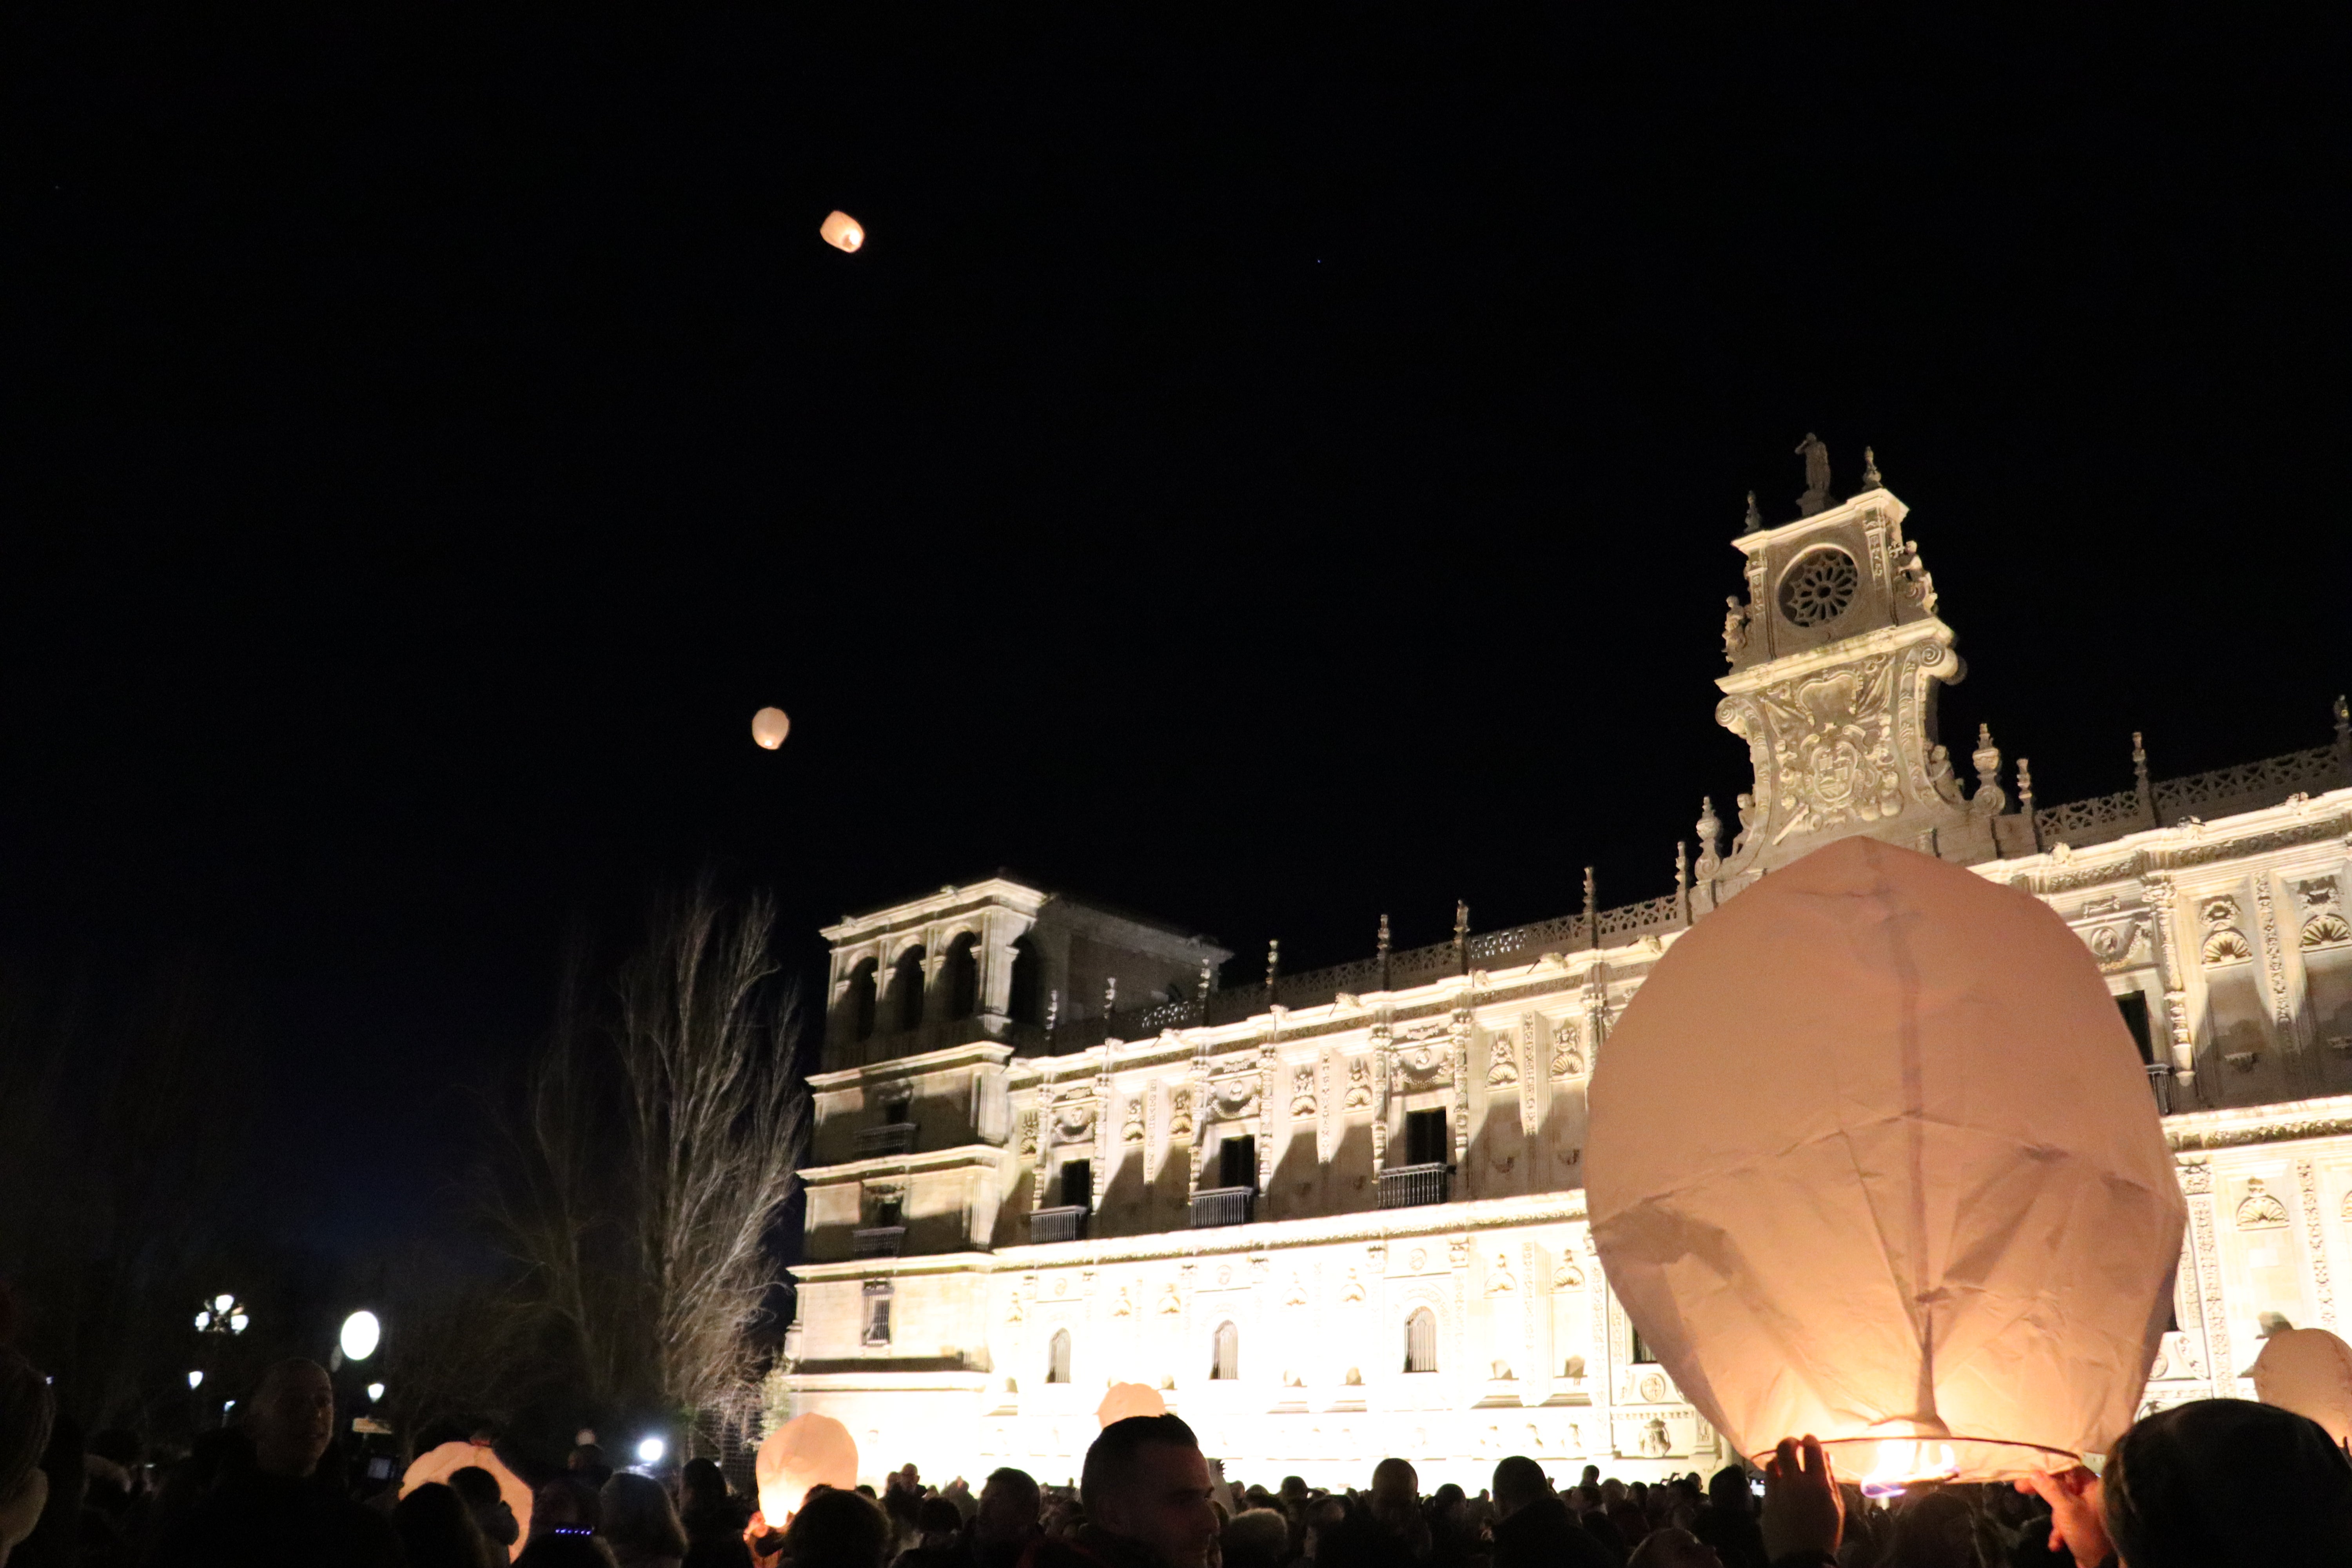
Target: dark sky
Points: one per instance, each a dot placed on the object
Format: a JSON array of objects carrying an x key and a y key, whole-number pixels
[{"x": 1269, "y": 465}]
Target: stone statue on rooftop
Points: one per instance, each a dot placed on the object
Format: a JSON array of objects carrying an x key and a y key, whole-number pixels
[{"x": 1817, "y": 475}]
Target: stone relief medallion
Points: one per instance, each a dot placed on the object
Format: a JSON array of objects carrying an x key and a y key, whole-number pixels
[
  {"x": 1416, "y": 1260},
  {"x": 1652, "y": 1389},
  {"x": 2260, "y": 1210},
  {"x": 1224, "y": 1274},
  {"x": 1819, "y": 586}
]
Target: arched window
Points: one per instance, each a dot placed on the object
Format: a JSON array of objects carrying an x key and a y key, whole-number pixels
[
  {"x": 1057, "y": 1357},
  {"x": 907, "y": 990},
  {"x": 861, "y": 1000},
  {"x": 1421, "y": 1341},
  {"x": 1027, "y": 1003},
  {"x": 1225, "y": 1356},
  {"x": 959, "y": 975}
]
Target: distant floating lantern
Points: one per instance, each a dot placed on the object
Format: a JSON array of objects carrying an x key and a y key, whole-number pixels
[
  {"x": 439, "y": 1464},
  {"x": 806, "y": 1451},
  {"x": 770, "y": 726},
  {"x": 1130, "y": 1399},
  {"x": 842, "y": 232},
  {"x": 2309, "y": 1372},
  {"x": 1872, "y": 1157}
]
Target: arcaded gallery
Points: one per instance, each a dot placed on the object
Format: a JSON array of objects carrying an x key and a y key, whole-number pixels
[{"x": 1341, "y": 1213}]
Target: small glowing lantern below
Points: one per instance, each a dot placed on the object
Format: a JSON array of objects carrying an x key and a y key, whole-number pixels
[
  {"x": 842, "y": 232},
  {"x": 195, "y": 1381},
  {"x": 360, "y": 1334},
  {"x": 439, "y": 1464},
  {"x": 770, "y": 726},
  {"x": 651, "y": 1451},
  {"x": 804, "y": 1452},
  {"x": 375, "y": 1393},
  {"x": 2309, "y": 1372},
  {"x": 1127, "y": 1399},
  {"x": 1872, "y": 1157}
]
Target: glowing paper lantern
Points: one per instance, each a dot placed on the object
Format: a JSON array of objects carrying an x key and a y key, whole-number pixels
[
  {"x": 770, "y": 726},
  {"x": 842, "y": 232},
  {"x": 1126, "y": 1399},
  {"x": 362, "y": 1333},
  {"x": 2309, "y": 1372},
  {"x": 439, "y": 1464},
  {"x": 806, "y": 1451},
  {"x": 1872, "y": 1156}
]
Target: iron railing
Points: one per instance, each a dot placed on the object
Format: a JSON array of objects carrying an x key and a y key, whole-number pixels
[
  {"x": 889, "y": 1138},
  {"x": 1224, "y": 1206},
  {"x": 1410, "y": 1187},
  {"x": 1065, "y": 1222},
  {"x": 877, "y": 1241}
]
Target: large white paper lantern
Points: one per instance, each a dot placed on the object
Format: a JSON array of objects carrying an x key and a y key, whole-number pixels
[
  {"x": 842, "y": 232},
  {"x": 2309, "y": 1372},
  {"x": 770, "y": 726},
  {"x": 1872, "y": 1156},
  {"x": 806, "y": 1451},
  {"x": 1126, "y": 1399},
  {"x": 439, "y": 1464}
]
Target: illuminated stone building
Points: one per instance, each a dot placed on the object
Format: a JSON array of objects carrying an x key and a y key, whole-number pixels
[{"x": 1338, "y": 1215}]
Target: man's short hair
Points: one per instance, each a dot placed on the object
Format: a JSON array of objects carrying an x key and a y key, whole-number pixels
[
  {"x": 1518, "y": 1479},
  {"x": 1110, "y": 1462},
  {"x": 1020, "y": 1482}
]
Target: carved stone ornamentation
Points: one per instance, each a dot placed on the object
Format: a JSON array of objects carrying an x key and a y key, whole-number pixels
[
  {"x": 2327, "y": 929},
  {"x": 1457, "y": 1253},
  {"x": 1235, "y": 1097},
  {"x": 1566, "y": 1274},
  {"x": 1502, "y": 1069},
  {"x": 1359, "y": 1085},
  {"x": 2260, "y": 1210},
  {"x": 1171, "y": 1301},
  {"x": 1074, "y": 1117},
  {"x": 1302, "y": 1094},
  {"x": 1180, "y": 1114},
  {"x": 1122, "y": 1304},
  {"x": 1567, "y": 1061},
  {"x": 1500, "y": 1281},
  {"x": 1132, "y": 1132},
  {"x": 1028, "y": 1132},
  {"x": 2196, "y": 1177}
]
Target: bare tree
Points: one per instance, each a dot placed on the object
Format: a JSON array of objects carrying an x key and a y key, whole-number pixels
[{"x": 660, "y": 1137}]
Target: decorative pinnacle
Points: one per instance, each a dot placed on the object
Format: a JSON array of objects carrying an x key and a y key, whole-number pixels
[
  {"x": 1870, "y": 477},
  {"x": 1754, "y": 518}
]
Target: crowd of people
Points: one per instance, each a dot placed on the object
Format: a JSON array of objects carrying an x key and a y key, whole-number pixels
[{"x": 2214, "y": 1484}]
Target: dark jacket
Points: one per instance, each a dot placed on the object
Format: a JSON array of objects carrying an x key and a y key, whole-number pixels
[
  {"x": 1091, "y": 1547},
  {"x": 1544, "y": 1535},
  {"x": 256, "y": 1520}
]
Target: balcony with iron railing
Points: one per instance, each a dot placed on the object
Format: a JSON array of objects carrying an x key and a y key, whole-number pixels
[
  {"x": 1064, "y": 1222},
  {"x": 888, "y": 1138},
  {"x": 1224, "y": 1206},
  {"x": 877, "y": 1241},
  {"x": 1410, "y": 1187}
]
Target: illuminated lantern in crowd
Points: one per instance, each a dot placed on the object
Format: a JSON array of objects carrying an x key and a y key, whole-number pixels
[
  {"x": 439, "y": 1464},
  {"x": 1872, "y": 1156},
  {"x": 806, "y": 1451},
  {"x": 2309, "y": 1372},
  {"x": 1126, "y": 1399},
  {"x": 770, "y": 726},
  {"x": 842, "y": 232}
]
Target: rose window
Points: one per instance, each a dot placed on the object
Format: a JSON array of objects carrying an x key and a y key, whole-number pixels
[{"x": 1818, "y": 587}]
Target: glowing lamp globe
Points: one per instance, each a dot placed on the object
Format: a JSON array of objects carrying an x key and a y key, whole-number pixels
[
  {"x": 439, "y": 1464},
  {"x": 375, "y": 1392},
  {"x": 360, "y": 1334},
  {"x": 806, "y": 1451},
  {"x": 195, "y": 1381},
  {"x": 1872, "y": 1156},
  {"x": 842, "y": 232},
  {"x": 651, "y": 1451},
  {"x": 1127, "y": 1399},
  {"x": 770, "y": 726},
  {"x": 2309, "y": 1372}
]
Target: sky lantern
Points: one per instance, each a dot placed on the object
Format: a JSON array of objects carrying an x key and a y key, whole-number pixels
[
  {"x": 1872, "y": 1156},
  {"x": 1126, "y": 1399},
  {"x": 806, "y": 1451},
  {"x": 2309, "y": 1372},
  {"x": 439, "y": 1464},
  {"x": 842, "y": 232},
  {"x": 770, "y": 726}
]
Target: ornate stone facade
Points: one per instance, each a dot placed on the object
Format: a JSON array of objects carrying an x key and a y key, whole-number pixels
[{"x": 1359, "y": 1190}]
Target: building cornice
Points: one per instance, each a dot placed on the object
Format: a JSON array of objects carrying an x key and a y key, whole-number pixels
[
  {"x": 961, "y": 1154},
  {"x": 2195, "y": 1131},
  {"x": 973, "y": 1053},
  {"x": 2183, "y": 847},
  {"x": 947, "y": 901}
]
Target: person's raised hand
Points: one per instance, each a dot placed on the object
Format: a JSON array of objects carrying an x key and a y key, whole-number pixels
[
  {"x": 2078, "y": 1522},
  {"x": 1802, "y": 1510}
]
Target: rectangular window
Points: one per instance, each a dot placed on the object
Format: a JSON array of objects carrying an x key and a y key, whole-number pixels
[
  {"x": 897, "y": 1111},
  {"x": 1078, "y": 1184},
  {"x": 1237, "y": 1162},
  {"x": 2133, "y": 1006},
  {"x": 1641, "y": 1356},
  {"x": 888, "y": 1211},
  {"x": 1425, "y": 1138},
  {"x": 877, "y": 1319}
]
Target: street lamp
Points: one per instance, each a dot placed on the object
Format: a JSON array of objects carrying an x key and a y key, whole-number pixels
[
  {"x": 223, "y": 1315},
  {"x": 195, "y": 1381},
  {"x": 375, "y": 1392},
  {"x": 361, "y": 1332},
  {"x": 651, "y": 1451}
]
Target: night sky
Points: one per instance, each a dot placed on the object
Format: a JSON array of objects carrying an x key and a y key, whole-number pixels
[{"x": 1268, "y": 466}]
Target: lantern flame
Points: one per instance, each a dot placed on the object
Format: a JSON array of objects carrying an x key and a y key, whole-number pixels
[
  {"x": 842, "y": 232},
  {"x": 1903, "y": 1463}
]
